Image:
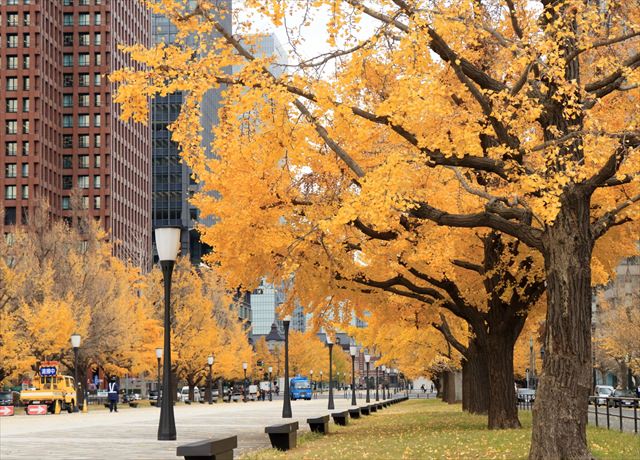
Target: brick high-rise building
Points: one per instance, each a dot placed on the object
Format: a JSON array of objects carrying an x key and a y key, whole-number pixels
[{"x": 60, "y": 133}]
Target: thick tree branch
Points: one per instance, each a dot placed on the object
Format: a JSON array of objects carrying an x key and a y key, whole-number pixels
[
  {"x": 479, "y": 269},
  {"x": 601, "y": 43},
  {"x": 613, "y": 81},
  {"x": 444, "y": 329},
  {"x": 608, "y": 220}
]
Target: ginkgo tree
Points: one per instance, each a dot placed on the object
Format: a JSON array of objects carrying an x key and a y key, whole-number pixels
[{"x": 529, "y": 107}]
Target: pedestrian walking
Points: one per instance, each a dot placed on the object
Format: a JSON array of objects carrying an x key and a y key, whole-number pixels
[
  {"x": 113, "y": 389},
  {"x": 424, "y": 390}
]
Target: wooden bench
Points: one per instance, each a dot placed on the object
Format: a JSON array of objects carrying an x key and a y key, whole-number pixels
[
  {"x": 283, "y": 437},
  {"x": 211, "y": 449},
  {"x": 354, "y": 413},
  {"x": 365, "y": 410},
  {"x": 319, "y": 424},
  {"x": 341, "y": 418},
  {"x": 373, "y": 408},
  {"x": 133, "y": 404}
]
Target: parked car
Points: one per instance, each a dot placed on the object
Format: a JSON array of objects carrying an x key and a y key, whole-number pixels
[
  {"x": 9, "y": 398},
  {"x": 624, "y": 398},
  {"x": 601, "y": 393},
  {"x": 526, "y": 395},
  {"x": 153, "y": 395},
  {"x": 184, "y": 394}
]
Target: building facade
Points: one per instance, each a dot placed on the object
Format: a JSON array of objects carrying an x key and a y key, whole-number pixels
[
  {"x": 61, "y": 136},
  {"x": 173, "y": 184}
]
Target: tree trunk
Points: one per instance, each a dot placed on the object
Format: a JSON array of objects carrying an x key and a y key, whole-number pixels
[
  {"x": 475, "y": 380},
  {"x": 503, "y": 410},
  {"x": 560, "y": 410},
  {"x": 191, "y": 391},
  {"x": 444, "y": 385}
]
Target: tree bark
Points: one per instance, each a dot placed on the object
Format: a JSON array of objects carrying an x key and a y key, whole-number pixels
[
  {"x": 560, "y": 410},
  {"x": 503, "y": 410},
  {"x": 475, "y": 380}
]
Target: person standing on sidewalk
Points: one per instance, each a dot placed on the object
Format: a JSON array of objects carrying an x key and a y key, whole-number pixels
[{"x": 113, "y": 394}]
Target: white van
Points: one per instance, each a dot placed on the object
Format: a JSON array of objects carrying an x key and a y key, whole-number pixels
[
  {"x": 184, "y": 394},
  {"x": 601, "y": 393}
]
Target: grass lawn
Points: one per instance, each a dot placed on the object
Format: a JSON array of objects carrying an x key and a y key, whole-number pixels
[{"x": 427, "y": 429}]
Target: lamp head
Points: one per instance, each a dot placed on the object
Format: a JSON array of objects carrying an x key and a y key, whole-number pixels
[
  {"x": 320, "y": 373},
  {"x": 210, "y": 360},
  {"x": 167, "y": 242},
  {"x": 158, "y": 353},
  {"x": 75, "y": 340},
  {"x": 287, "y": 318},
  {"x": 270, "y": 369},
  {"x": 383, "y": 367},
  {"x": 367, "y": 358},
  {"x": 245, "y": 365},
  {"x": 329, "y": 340},
  {"x": 353, "y": 350}
]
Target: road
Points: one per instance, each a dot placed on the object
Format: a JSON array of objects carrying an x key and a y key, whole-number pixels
[
  {"x": 131, "y": 433},
  {"x": 628, "y": 424}
]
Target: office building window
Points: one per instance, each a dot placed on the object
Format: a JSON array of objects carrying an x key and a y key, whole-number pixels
[
  {"x": 12, "y": 40},
  {"x": 67, "y": 161},
  {"x": 12, "y": 62},
  {"x": 97, "y": 100},
  {"x": 67, "y": 39},
  {"x": 11, "y": 148},
  {"x": 96, "y": 202},
  {"x": 67, "y": 60},
  {"x": 83, "y": 100},
  {"x": 26, "y": 40},
  {"x": 67, "y": 121},
  {"x": 25, "y": 104},
  {"x": 97, "y": 161},
  {"x": 10, "y": 170},
  {"x": 97, "y": 79},
  {"x": 67, "y": 80},
  {"x": 84, "y": 19},
  {"x": 67, "y": 100},
  {"x": 84, "y": 38},
  {"x": 66, "y": 203},
  {"x": 25, "y": 169},
  {"x": 97, "y": 19},
  {"x": 83, "y": 181},
  {"x": 83, "y": 59},
  {"x": 26, "y": 62},
  {"x": 26, "y": 127},
  {"x": 97, "y": 39},
  {"x": 83, "y": 140},
  {"x": 11, "y": 126},
  {"x": 96, "y": 182},
  {"x": 25, "y": 148},
  {"x": 97, "y": 120},
  {"x": 83, "y": 161},
  {"x": 97, "y": 140},
  {"x": 67, "y": 182},
  {"x": 67, "y": 141},
  {"x": 26, "y": 83},
  {"x": 12, "y": 19},
  {"x": 97, "y": 58},
  {"x": 10, "y": 192},
  {"x": 25, "y": 192},
  {"x": 26, "y": 19},
  {"x": 12, "y": 105},
  {"x": 83, "y": 120},
  {"x": 12, "y": 84},
  {"x": 83, "y": 79},
  {"x": 67, "y": 19},
  {"x": 85, "y": 202}
]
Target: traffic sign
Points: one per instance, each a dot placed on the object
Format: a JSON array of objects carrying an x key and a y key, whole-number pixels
[
  {"x": 48, "y": 371},
  {"x": 36, "y": 409},
  {"x": 6, "y": 411}
]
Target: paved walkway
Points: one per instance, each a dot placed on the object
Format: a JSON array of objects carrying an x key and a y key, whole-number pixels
[{"x": 131, "y": 433}]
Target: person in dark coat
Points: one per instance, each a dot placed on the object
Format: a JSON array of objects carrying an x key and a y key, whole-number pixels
[{"x": 113, "y": 394}]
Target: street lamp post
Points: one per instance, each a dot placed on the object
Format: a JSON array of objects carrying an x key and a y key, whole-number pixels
[
  {"x": 388, "y": 382},
  {"x": 377, "y": 383},
  {"x": 244, "y": 384},
  {"x": 352, "y": 351},
  {"x": 383, "y": 369},
  {"x": 286, "y": 404},
  {"x": 158, "y": 357},
  {"x": 311, "y": 378},
  {"x": 210, "y": 363},
  {"x": 320, "y": 382},
  {"x": 367, "y": 358},
  {"x": 331, "y": 405},
  {"x": 270, "y": 383},
  {"x": 75, "y": 343},
  {"x": 167, "y": 244}
]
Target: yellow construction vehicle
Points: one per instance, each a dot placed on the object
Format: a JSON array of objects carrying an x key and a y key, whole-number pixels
[{"x": 51, "y": 392}]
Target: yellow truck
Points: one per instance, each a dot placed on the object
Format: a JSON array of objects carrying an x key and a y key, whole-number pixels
[{"x": 51, "y": 392}]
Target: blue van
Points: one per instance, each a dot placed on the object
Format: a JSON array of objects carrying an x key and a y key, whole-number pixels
[{"x": 300, "y": 388}]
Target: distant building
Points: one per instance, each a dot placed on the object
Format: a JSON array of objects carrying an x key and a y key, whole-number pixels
[
  {"x": 172, "y": 181},
  {"x": 264, "y": 302}
]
